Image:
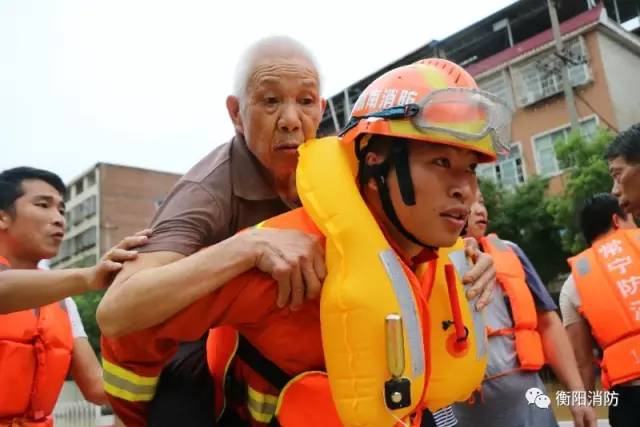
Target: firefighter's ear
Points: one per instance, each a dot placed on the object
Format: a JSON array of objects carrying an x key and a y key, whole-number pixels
[{"x": 5, "y": 220}]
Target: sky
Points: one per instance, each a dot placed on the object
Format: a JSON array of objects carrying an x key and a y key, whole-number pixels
[{"x": 143, "y": 83}]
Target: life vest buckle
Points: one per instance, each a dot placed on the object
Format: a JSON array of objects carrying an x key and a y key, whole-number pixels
[{"x": 397, "y": 393}]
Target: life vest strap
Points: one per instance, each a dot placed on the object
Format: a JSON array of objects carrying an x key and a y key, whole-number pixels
[
  {"x": 500, "y": 332},
  {"x": 261, "y": 364}
]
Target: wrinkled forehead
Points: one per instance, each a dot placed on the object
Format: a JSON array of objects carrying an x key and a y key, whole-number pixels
[{"x": 274, "y": 70}]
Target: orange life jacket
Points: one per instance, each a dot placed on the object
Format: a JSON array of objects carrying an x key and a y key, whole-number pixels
[
  {"x": 272, "y": 396},
  {"x": 607, "y": 278},
  {"x": 35, "y": 354},
  {"x": 512, "y": 279}
]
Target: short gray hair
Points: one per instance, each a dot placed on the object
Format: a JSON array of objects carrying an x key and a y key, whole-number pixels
[{"x": 266, "y": 46}]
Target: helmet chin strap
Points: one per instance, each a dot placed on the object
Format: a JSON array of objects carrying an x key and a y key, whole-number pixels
[{"x": 399, "y": 157}]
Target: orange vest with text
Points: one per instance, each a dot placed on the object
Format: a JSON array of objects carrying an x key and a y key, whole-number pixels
[
  {"x": 511, "y": 277},
  {"x": 35, "y": 354},
  {"x": 607, "y": 278}
]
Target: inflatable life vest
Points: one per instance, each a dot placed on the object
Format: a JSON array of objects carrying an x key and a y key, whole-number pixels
[
  {"x": 35, "y": 354},
  {"x": 374, "y": 326},
  {"x": 511, "y": 277},
  {"x": 607, "y": 278},
  {"x": 457, "y": 366}
]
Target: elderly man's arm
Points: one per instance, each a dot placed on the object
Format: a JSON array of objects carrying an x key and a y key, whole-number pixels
[{"x": 158, "y": 285}]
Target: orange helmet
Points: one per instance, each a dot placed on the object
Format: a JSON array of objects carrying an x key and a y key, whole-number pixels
[{"x": 432, "y": 100}]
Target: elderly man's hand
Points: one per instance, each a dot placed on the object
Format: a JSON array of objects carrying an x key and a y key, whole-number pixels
[
  {"x": 481, "y": 277},
  {"x": 294, "y": 259}
]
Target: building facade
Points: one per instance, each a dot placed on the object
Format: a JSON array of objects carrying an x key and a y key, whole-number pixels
[
  {"x": 512, "y": 54},
  {"x": 105, "y": 204}
]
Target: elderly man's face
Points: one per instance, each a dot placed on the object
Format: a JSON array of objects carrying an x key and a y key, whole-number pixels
[
  {"x": 281, "y": 110},
  {"x": 626, "y": 184}
]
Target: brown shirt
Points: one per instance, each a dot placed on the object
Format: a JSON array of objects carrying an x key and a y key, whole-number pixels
[{"x": 226, "y": 191}]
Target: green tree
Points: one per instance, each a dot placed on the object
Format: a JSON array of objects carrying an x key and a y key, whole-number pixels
[
  {"x": 522, "y": 217},
  {"x": 87, "y": 304},
  {"x": 588, "y": 175}
]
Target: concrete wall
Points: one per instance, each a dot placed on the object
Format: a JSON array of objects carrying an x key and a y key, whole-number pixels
[
  {"x": 128, "y": 198},
  {"x": 622, "y": 73}
]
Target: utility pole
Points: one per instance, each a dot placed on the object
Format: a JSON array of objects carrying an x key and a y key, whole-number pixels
[{"x": 568, "y": 90}]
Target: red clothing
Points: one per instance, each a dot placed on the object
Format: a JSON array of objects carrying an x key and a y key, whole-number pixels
[{"x": 291, "y": 340}]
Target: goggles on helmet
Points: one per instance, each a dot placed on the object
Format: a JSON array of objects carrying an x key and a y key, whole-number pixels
[{"x": 463, "y": 113}]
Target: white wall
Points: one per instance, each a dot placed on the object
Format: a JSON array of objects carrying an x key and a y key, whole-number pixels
[{"x": 622, "y": 72}]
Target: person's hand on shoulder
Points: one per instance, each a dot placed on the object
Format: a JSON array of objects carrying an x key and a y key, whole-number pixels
[
  {"x": 482, "y": 276},
  {"x": 101, "y": 275}
]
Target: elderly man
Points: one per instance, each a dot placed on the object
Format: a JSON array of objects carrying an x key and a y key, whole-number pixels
[
  {"x": 275, "y": 108},
  {"x": 623, "y": 155}
]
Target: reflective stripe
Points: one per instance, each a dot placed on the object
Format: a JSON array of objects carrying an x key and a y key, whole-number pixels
[
  {"x": 126, "y": 384},
  {"x": 262, "y": 406},
  {"x": 582, "y": 266},
  {"x": 260, "y": 224},
  {"x": 402, "y": 289}
]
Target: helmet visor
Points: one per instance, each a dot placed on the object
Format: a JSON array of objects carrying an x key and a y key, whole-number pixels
[{"x": 467, "y": 114}]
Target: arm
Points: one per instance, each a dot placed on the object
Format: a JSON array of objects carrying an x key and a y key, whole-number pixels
[
  {"x": 582, "y": 343},
  {"x": 558, "y": 351},
  {"x": 555, "y": 343},
  {"x": 24, "y": 289},
  {"x": 578, "y": 331},
  {"x": 132, "y": 364},
  {"x": 293, "y": 258},
  {"x": 559, "y": 355},
  {"x": 86, "y": 372}
]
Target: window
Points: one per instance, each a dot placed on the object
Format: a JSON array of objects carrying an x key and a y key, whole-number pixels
[
  {"x": 85, "y": 209},
  {"x": 541, "y": 77},
  {"x": 79, "y": 187},
  {"x": 544, "y": 146},
  {"x": 85, "y": 240},
  {"x": 507, "y": 171},
  {"x": 499, "y": 86},
  {"x": 91, "y": 178},
  {"x": 90, "y": 206},
  {"x": 77, "y": 213}
]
